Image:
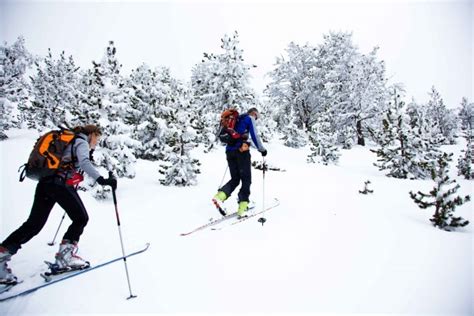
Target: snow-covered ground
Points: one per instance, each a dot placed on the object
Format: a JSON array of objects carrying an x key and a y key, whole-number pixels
[{"x": 325, "y": 249}]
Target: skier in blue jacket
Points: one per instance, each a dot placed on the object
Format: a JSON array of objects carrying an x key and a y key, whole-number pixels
[{"x": 238, "y": 159}]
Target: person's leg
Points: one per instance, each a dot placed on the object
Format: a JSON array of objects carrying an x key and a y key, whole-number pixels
[
  {"x": 234, "y": 181},
  {"x": 42, "y": 206},
  {"x": 245, "y": 174},
  {"x": 69, "y": 200}
]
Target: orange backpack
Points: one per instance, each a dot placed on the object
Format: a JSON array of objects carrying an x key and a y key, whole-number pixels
[{"x": 45, "y": 158}]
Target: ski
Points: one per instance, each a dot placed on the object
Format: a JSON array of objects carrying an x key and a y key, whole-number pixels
[
  {"x": 211, "y": 223},
  {"x": 7, "y": 287},
  {"x": 55, "y": 271},
  {"x": 249, "y": 216},
  {"x": 73, "y": 273},
  {"x": 214, "y": 222}
]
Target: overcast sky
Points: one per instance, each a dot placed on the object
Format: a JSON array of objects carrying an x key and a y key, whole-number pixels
[{"x": 424, "y": 43}]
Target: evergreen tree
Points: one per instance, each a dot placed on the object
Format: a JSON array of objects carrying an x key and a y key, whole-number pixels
[
  {"x": 441, "y": 198},
  {"x": 406, "y": 151},
  {"x": 293, "y": 136},
  {"x": 466, "y": 160},
  {"x": 323, "y": 140},
  {"x": 178, "y": 167},
  {"x": 15, "y": 60},
  {"x": 117, "y": 146},
  {"x": 154, "y": 97},
  {"x": 466, "y": 115},
  {"x": 444, "y": 118},
  {"x": 105, "y": 101},
  {"x": 54, "y": 92},
  {"x": 221, "y": 81}
]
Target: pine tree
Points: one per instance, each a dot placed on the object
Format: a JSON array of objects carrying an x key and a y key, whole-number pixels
[
  {"x": 323, "y": 140},
  {"x": 178, "y": 167},
  {"x": 466, "y": 115},
  {"x": 105, "y": 101},
  {"x": 15, "y": 60},
  {"x": 406, "y": 151},
  {"x": 444, "y": 118},
  {"x": 466, "y": 160},
  {"x": 441, "y": 198},
  {"x": 155, "y": 96},
  {"x": 54, "y": 92}
]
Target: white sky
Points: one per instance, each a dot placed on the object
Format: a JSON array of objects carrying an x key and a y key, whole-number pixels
[{"x": 424, "y": 43}]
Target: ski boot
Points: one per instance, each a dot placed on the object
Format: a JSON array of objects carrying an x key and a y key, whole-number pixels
[
  {"x": 6, "y": 275},
  {"x": 67, "y": 259},
  {"x": 243, "y": 208}
]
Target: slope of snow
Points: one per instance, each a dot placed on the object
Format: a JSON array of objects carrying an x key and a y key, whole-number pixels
[{"x": 325, "y": 249}]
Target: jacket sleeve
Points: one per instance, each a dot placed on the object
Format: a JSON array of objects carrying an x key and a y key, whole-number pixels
[
  {"x": 254, "y": 134},
  {"x": 82, "y": 154}
]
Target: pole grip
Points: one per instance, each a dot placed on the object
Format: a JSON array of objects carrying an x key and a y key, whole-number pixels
[{"x": 111, "y": 175}]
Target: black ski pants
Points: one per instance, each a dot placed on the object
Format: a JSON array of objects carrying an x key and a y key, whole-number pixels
[
  {"x": 47, "y": 194},
  {"x": 240, "y": 170}
]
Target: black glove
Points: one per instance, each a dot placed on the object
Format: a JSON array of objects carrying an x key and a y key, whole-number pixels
[
  {"x": 109, "y": 181},
  {"x": 264, "y": 152}
]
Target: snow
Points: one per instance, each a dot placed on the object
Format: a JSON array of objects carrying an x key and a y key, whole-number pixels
[{"x": 325, "y": 249}]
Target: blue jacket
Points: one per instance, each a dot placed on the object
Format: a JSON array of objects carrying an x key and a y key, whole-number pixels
[{"x": 246, "y": 125}]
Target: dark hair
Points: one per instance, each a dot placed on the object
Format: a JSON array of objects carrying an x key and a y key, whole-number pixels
[
  {"x": 252, "y": 110},
  {"x": 88, "y": 129}
]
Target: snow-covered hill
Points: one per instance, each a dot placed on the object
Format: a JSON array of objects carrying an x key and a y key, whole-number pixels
[{"x": 325, "y": 249}]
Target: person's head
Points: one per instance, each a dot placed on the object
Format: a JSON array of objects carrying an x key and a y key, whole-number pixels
[
  {"x": 253, "y": 112},
  {"x": 93, "y": 133}
]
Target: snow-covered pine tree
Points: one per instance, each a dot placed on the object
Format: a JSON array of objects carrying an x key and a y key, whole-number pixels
[
  {"x": 155, "y": 95},
  {"x": 15, "y": 60},
  {"x": 105, "y": 102},
  {"x": 293, "y": 136},
  {"x": 221, "y": 81},
  {"x": 444, "y": 118},
  {"x": 323, "y": 140},
  {"x": 466, "y": 159},
  {"x": 178, "y": 167},
  {"x": 116, "y": 150},
  {"x": 91, "y": 90},
  {"x": 466, "y": 115},
  {"x": 54, "y": 92},
  {"x": 404, "y": 150},
  {"x": 441, "y": 197}
]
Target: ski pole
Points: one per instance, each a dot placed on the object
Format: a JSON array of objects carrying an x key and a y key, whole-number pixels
[
  {"x": 223, "y": 177},
  {"x": 121, "y": 240},
  {"x": 60, "y": 223},
  {"x": 263, "y": 219}
]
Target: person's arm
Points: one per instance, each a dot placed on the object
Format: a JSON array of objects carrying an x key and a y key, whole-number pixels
[
  {"x": 255, "y": 135},
  {"x": 83, "y": 159}
]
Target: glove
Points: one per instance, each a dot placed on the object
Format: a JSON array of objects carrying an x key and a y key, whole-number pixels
[
  {"x": 109, "y": 181},
  {"x": 264, "y": 152}
]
